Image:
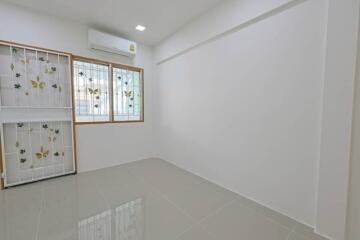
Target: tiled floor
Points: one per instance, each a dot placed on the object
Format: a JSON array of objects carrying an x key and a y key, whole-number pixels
[{"x": 145, "y": 200}]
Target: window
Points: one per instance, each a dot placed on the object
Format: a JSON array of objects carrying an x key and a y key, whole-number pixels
[
  {"x": 106, "y": 92},
  {"x": 91, "y": 84},
  {"x": 127, "y": 94}
]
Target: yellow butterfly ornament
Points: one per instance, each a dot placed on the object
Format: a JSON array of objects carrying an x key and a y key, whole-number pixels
[
  {"x": 93, "y": 91},
  {"x": 127, "y": 93},
  {"x": 42, "y": 153},
  {"x": 37, "y": 83}
]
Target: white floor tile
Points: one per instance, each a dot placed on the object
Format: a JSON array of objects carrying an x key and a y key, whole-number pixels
[{"x": 144, "y": 200}]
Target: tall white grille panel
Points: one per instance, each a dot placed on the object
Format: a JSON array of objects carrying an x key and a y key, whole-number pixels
[{"x": 36, "y": 114}]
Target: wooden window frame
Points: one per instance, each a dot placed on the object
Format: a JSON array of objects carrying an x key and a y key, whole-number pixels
[{"x": 111, "y": 66}]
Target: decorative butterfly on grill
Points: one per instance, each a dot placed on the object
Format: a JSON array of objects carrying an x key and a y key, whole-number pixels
[
  {"x": 93, "y": 91},
  {"x": 42, "y": 154},
  {"x": 22, "y": 160},
  {"x": 127, "y": 93},
  {"x": 17, "y": 75},
  {"x": 37, "y": 83},
  {"x": 20, "y": 125},
  {"x": 56, "y": 154},
  {"x": 45, "y": 126},
  {"x": 17, "y": 85},
  {"x": 22, "y": 151},
  {"x": 52, "y": 139}
]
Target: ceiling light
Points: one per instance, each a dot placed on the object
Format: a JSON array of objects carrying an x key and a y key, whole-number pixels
[{"x": 140, "y": 28}]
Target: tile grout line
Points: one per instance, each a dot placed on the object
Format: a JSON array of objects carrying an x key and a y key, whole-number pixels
[
  {"x": 237, "y": 194},
  {"x": 178, "y": 207},
  {"x": 216, "y": 211},
  {"x": 193, "y": 221},
  {"x": 164, "y": 195},
  {"x": 42, "y": 205},
  {"x": 213, "y": 213},
  {"x": 291, "y": 232},
  {"x": 236, "y": 199},
  {"x": 198, "y": 223},
  {"x": 270, "y": 219},
  {"x": 157, "y": 191}
]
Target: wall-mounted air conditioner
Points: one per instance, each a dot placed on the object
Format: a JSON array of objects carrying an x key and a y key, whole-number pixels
[{"x": 109, "y": 43}]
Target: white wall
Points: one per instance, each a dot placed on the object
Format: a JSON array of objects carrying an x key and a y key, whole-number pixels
[
  {"x": 339, "y": 75},
  {"x": 264, "y": 103},
  {"x": 223, "y": 18},
  {"x": 248, "y": 108},
  {"x": 120, "y": 142},
  {"x": 353, "y": 218}
]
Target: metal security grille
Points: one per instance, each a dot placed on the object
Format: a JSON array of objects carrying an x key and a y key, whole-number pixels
[
  {"x": 37, "y": 150},
  {"x": 36, "y": 114},
  {"x": 33, "y": 79},
  {"x": 127, "y": 92},
  {"x": 91, "y": 91},
  {"x": 107, "y": 92}
]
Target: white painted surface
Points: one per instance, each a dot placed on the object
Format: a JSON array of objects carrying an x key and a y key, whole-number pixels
[
  {"x": 353, "y": 218},
  {"x": 161, "y": 17},
  {"x": 97, "y": 145},
  {"x": 223, "y": 18},
  {"x": 340, "y": 68},
  {"x": 244, "y": 110}
]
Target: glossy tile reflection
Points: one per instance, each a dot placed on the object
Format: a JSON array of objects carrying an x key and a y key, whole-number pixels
[
  {"x": 129, "y": 220},
  {"x": 145, "y": 200}
]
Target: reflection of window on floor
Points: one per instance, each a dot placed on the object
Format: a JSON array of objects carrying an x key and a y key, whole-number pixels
[
  {"x": 128, "y": 219},
  {"x": 97, "y": 227}
]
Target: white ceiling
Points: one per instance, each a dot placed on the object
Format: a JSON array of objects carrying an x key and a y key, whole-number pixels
[{"x": 161, "y": 17}]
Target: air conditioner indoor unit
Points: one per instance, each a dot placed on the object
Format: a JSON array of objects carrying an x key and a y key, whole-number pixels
[{"x": 109, "y": 43}]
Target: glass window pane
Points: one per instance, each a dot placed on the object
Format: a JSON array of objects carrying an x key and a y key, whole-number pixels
[
  {"x": 127, "y": 95},
  {"x": 91, "y": 92}
]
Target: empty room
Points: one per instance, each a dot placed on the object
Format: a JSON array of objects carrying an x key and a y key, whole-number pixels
[{"x": 179, "y": 120}]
